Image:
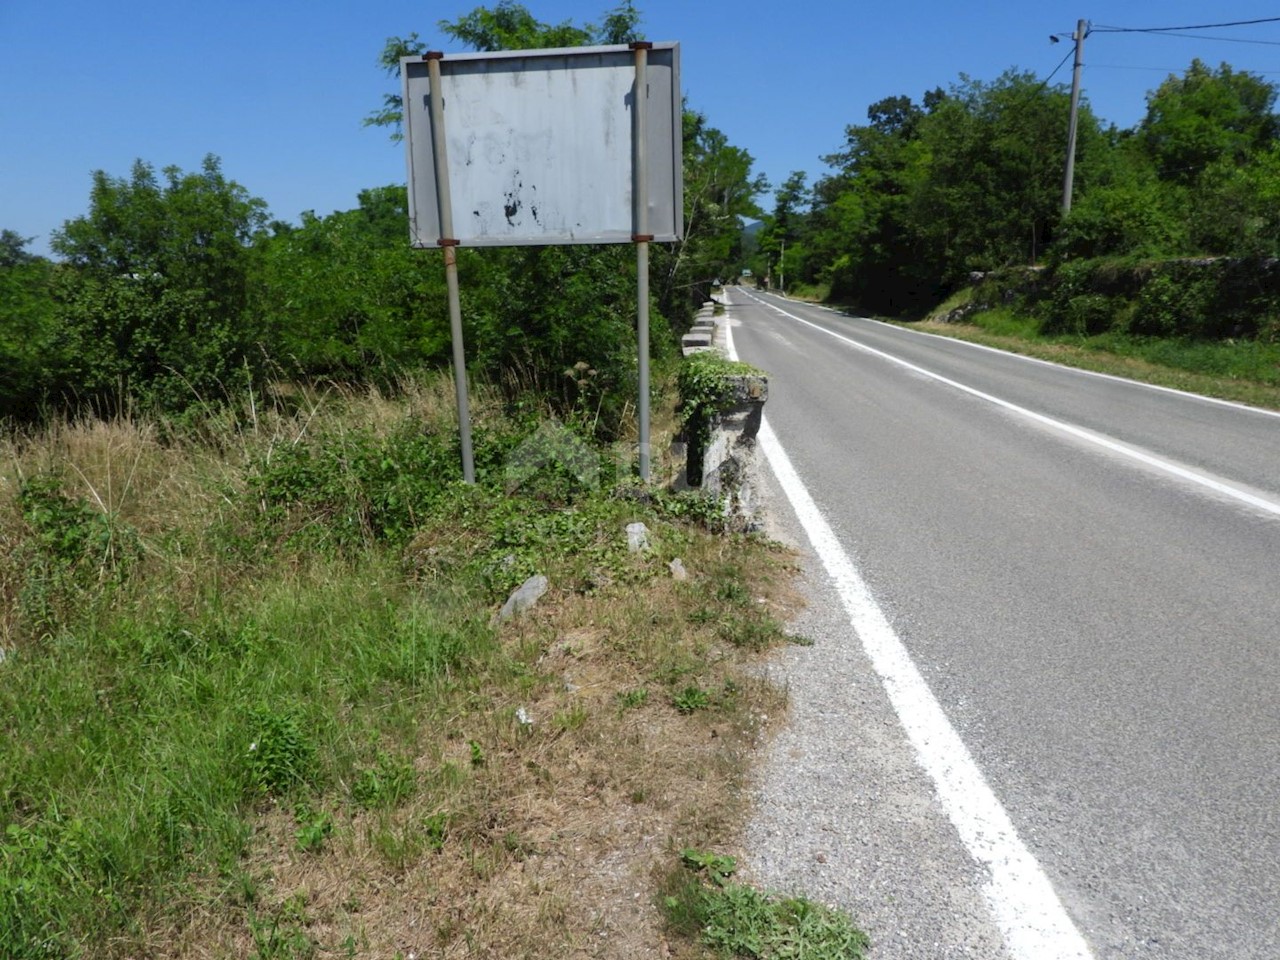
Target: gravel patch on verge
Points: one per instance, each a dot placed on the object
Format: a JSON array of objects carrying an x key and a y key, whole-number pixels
[{"x": 843, "y": 813}]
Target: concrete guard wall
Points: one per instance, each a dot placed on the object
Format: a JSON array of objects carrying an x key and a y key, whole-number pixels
[{"x": 729, "y": 461}]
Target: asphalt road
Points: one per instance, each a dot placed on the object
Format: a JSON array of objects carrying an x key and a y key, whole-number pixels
[{"x": 1084, "y": 571}]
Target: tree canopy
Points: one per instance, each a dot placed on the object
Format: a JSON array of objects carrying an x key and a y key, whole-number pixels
[
  {"x": 507, "y": 25},
  {"x": 154, "y": 305},
  {"x": 970, "y": 179}
]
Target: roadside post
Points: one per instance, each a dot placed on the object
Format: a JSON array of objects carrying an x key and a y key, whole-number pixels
[
  {"x": 576, "y": 145},
  {"x": 640, "y": 236},
  {"x": 449, "y": 243}
]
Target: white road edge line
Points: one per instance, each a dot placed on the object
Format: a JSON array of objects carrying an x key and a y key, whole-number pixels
[
  {"x": 1173, "y": 469},
  {"x": 1216, "y": 401},
  {"x": 1028, "y": 912}
]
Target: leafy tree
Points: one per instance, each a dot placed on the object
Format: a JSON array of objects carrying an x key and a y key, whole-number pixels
[
  {"x": 509, "y": 26},
  {"x": 27, "y": 335},
  {"x": 922, "y": 195},
  {"x": 860, "y": 224},
  {"x": 781, "y": 238},
  {"x": 1133, "y": 213},
  {"x": 505, "y": 26},
  {"x": 991, "y": 190},
  {"x": 1236, "y": 207},
  {"x": 153, "y": 307},
  {"x": 719, "y": 193},
  {"x": 12, "y": 249},
  {"x": 970, "y": 179},
  {"x": 1207, "y": 116},
  {"x": 345, "y": 295}
]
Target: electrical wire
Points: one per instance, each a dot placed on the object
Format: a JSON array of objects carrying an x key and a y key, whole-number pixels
[
  {"x": 1201, "y": 36},
  {"x": 1055, "y": 70},
  {"x": 1195, "y": 26}
]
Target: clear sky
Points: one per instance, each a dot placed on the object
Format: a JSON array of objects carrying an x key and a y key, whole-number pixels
[{"x": 277, "y": 88}]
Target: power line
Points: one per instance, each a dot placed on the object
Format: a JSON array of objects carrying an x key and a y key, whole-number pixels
[
  {"x": 1201, "y": 36},
  {"x": 1194, "y": 26},
  {"x": 1045, "y": 83},
  {"x": 1170, "y": 70}
]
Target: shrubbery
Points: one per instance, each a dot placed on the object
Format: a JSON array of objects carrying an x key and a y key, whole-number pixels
[{"x": 1190, "y": 298}]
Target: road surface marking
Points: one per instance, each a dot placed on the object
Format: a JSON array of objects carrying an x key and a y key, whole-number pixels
[
  {"x": 1032, "y": 919},
  {"x": 1107, "y": 443},
  {"x": 1218, "y": 401}
]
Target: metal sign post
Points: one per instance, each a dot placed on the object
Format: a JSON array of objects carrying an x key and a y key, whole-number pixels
[
  {"x": 450, "y": 245},
  {"x": 642, "y": 237}
]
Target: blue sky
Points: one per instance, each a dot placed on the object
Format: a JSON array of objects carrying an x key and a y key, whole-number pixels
[{"x": 277, "y": 88}]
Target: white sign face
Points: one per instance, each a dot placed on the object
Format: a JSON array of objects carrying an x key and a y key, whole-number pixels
[{"x": 541, "y": 146}]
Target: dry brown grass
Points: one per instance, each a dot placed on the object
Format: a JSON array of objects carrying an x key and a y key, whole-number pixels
[
  {"x": 167, "y": 483},
  {"x": 556, "y": 842}
]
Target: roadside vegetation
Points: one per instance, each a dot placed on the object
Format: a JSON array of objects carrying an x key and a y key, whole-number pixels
[
  {"x": 1164, "y": 268},
  {"x": 258, "y": 696},
  {"x": 257, "y": 704},
  {"x": 1243, "y": 371}
]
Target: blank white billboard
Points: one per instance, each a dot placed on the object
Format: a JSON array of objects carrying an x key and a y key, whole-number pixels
[{"x": 540, "y": 146}]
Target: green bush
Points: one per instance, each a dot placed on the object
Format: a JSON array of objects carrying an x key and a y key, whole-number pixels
[
  {"x": 1135, "y": 216},
  {"x": 354, "y": 489},
  {"x": 71, "y": 534},
  {"x": 707, "y": 384},
  {"x": 1190, "y": 299},
  {"x": 1207, "y": 300},
  {"x": 76, "y": 555},
  {"x": 29, "y": 350},
  {"x": 345, "y": 296},
  {"x": 279, "y": 755},
  {"x": 152, "y": 307}
]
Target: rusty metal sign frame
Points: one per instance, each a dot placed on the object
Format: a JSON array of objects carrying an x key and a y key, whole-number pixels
[
  {"x": 542, "y": 145},
  {"x": 561, "y": 146}
]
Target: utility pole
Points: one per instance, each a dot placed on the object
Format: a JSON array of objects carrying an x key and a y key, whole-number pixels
[
  {"x": 1082, "y": 30},
  {"x": 782, "y": 267}
]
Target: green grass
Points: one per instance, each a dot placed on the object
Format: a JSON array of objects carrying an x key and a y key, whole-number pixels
[
  {"x": 1003, "y": 322},
  {"x": 1241, "y": 360},
  {"x": 812, "y": 292},
  {"x": 1245, "y": 371},
  {"x": 731, "y": 919},
  {"x": 275, "y": 642},
  {"x": 143, "y": 742}
]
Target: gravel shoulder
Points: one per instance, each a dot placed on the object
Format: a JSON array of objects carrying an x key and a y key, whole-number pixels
[{"x": 842, "y": 813}]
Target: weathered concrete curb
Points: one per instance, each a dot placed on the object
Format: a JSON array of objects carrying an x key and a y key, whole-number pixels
[{"x": 729, "y": 459}]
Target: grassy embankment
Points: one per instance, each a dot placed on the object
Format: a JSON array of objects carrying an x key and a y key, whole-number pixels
[
  {"x": 1245, "y": 371},
  {"x": 256, "y": 705}
]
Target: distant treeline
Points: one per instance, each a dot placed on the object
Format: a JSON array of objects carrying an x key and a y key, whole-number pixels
[{"x": 970, "y": 179}]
